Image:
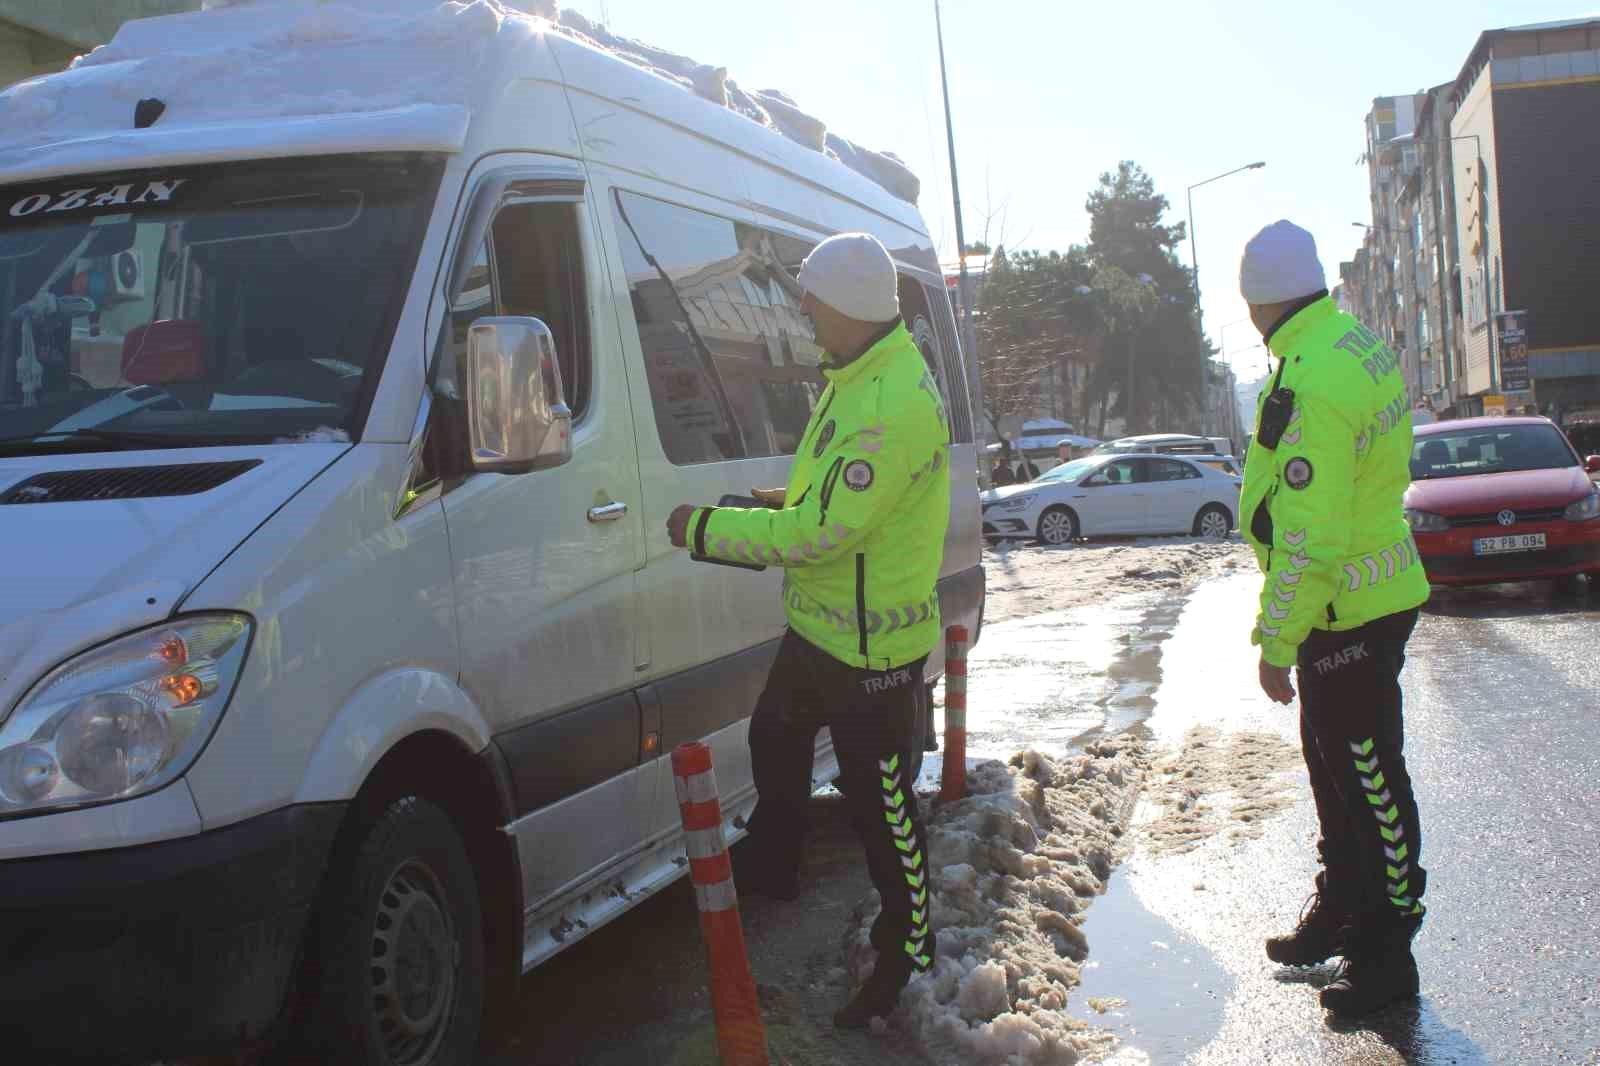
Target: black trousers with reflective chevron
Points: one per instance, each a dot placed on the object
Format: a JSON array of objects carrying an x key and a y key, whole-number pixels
[
  {"x": 871, "y": 716},
  {"x": 1353, "y": 734}
]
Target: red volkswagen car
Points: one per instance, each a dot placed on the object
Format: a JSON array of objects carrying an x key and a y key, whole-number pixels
[{"x": 1502, "y": 499}]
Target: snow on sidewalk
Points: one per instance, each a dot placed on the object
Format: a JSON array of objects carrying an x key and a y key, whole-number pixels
[{"x": 1014, "y": 866}]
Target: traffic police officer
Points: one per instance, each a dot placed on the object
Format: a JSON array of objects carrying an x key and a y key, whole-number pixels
[
  {"x": 1322, "y": 507},
  {"x": 860, "y": 530}
]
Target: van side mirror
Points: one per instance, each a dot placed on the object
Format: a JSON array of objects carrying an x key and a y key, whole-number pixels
[
  {"x": 517, "y": 416},
  {"x": 1592, "y": 464}
]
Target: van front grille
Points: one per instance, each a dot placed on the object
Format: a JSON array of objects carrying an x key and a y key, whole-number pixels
[{"x": 125, "y": 483}]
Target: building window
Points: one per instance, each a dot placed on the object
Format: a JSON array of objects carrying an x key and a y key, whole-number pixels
[{"x": 1472, "y": 294}]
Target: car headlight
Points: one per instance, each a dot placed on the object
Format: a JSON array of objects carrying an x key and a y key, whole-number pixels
[
  {"x": 1584, "y": 509},
  {"x": 1018, "y": 503},
  {"x": 1426, "y": 521},
  {"x": 122, "y": 719}
]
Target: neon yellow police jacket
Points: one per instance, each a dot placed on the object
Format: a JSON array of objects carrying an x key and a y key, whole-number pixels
[
  {"x": 862, "y": 528},
  {"x": 1323, "y": 510}
]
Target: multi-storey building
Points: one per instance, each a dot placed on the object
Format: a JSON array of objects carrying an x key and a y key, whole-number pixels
[
  {"x": 1485, "y": 197},
  {"x": 1384, "y": 273},
  {"x": 1528, "y": 213}
]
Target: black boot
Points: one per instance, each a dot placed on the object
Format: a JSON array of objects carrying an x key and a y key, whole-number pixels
[
  {"x": 879, "y": 996},
  {"x": 1379, "y": 970},
  {"x": 1315, "y": 938},
  {"x": 754, "y": 875}
]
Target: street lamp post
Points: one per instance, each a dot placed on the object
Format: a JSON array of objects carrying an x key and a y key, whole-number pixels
[
  {"x": 968, "y": 297},
  {"x": 1194, "y": 258}
]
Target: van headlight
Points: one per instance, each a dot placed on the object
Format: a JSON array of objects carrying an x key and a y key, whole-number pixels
[
  {"x": 1584, "y": 509},
  {"x": 122, "y": 719}
]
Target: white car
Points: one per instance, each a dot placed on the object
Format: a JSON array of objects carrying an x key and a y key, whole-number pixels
[{"x": 1100, "y": 494}]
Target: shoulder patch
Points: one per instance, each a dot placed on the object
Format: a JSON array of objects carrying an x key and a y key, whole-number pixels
[
  {"x": 858, "y": 475},
  {"x": 1297, "y": 472},
  {"x": 824, "y": 438}
]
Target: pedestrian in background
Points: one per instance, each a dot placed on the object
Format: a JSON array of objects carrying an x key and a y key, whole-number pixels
[
  {"x": 861, "y": 531},
  {"x": 1321, "y": 507}
]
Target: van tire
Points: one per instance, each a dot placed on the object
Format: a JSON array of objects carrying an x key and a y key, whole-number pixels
[
  {"x": 403, "y": 888},
  {"x": 1213, "y": 522}
]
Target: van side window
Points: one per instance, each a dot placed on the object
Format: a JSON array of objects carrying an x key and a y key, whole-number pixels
[
  {"x": 731, "y": 362},
  {"x": 531, "y": 263},
  {"x": 958, "y": 401},
  {"x": 919, "y": 322},
  {"x": 538, "y": 268}
]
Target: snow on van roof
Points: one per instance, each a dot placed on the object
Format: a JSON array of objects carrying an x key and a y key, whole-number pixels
[{"x": 419, "y": 64}]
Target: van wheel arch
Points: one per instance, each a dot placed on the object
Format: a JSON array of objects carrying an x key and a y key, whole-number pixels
[{"x": 475, "y": 792}]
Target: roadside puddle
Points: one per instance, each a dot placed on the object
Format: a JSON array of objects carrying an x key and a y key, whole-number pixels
[{"x": 1159, "y": 991}]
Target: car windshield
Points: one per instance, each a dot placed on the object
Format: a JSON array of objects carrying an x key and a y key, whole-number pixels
[
  {"x": 1068, "y": 472},
  {"x": 204, "y": 305},
  {"x": 1456, "y": 453}
]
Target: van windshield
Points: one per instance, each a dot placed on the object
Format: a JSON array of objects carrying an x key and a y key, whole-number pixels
[{"x": 235, "y": 303}]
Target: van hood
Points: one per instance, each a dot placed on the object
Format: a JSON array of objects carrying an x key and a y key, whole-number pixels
[{"x": 77, "y": 571}]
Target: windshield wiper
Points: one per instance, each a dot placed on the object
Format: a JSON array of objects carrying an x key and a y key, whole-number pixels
[{"x": 119, "y": 440}]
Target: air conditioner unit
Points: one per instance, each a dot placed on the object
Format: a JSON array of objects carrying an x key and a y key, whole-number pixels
[{"x": 127, "y": 275}]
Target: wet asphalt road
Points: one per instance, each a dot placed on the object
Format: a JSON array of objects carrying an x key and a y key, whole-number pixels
[{"x": 1503, "y": 740}]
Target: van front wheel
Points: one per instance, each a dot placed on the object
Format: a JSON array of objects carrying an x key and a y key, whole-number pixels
[{"x": 400, "y": 973}]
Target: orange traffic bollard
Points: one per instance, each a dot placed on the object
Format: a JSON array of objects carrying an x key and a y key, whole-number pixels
[
  {"x": 741, "y": 1037},
  {"x": 953, "y": 781}
]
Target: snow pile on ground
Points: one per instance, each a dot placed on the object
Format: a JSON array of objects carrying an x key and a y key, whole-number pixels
[
  {"x": 1015, "y": 864},
  {"x": 1217, "y": 783},
  {"x": 236, "y": 60},
  {"x": 1029, "y": 579}
]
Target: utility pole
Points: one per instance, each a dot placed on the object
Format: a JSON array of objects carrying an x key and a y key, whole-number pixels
[{"x": 968, "y": 337}]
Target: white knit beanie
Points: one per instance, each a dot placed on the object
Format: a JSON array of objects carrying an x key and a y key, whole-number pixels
[
  {"x": 1280, "y": 264},
  {"x": 853, "y": 274}
]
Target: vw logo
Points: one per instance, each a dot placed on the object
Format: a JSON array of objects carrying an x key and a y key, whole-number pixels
[{"x": 1506, "y": 518}]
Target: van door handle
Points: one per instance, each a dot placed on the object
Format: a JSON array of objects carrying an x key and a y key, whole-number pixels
[{"x": 608, "y": 512}]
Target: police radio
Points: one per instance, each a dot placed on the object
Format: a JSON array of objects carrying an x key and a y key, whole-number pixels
[{"x": 1276, "y": 411}]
